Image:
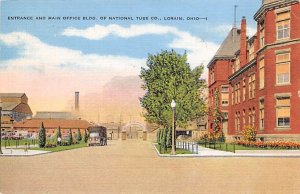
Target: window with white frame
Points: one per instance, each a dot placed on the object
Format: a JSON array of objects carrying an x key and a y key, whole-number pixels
[
  {"x": 261, "y": 114},
  {"x": 262, "y": 73},
  {"x": 283, "y": 25},
  {"x": 251, "y": 86},
  {"x": 244, "y": 118},
  {"x": 283, "y": 108},
  {"x": 244, "y": 89},
  {"x": 283, "y": 68},
  {"x": 225, "y": 95},
  {"x": 262, "y": 34},
  {"x": 251, "y": 52}
]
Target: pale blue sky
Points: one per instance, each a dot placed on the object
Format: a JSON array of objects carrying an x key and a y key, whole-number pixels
[
  {"x": 49, "y": 60},
  {"x": 219, "y": 13}
]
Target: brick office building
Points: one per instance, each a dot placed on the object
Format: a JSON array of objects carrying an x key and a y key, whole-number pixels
[{"x": 258, "y": 81}]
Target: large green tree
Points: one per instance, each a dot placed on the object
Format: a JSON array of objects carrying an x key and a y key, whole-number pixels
[
  {"x": 218, "y": 118},
  {"x": 168, "y": 76},
  {"x": 42, "y": 136}
]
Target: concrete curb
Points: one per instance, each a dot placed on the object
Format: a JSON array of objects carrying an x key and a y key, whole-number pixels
[
  {"x": 233, "y": 155},
  {"x": 26, "y": 155}
]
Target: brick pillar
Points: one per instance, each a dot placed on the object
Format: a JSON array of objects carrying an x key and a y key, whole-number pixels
[{"x": 243, "y": 51}]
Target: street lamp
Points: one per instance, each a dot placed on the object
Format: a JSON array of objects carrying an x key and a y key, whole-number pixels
[
  {"x": 173, "y": 106},
  {"x": 59, "y": 140},
  {"x": 0, "y": 132}
]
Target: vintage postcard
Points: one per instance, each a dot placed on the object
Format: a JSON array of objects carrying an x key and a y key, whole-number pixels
[{"x": 131, "y": 96}]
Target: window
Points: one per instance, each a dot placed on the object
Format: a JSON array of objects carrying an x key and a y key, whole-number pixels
[
  {"x": 283, "y": 107},
  {"x": 251, "y": 52},
  {"x": 251, "y": 86},
  {"x": 232, "y": 96},
  {"x": 237, "y": 121},
  {"x": 212, "y": 76},
  {"x": 244, "y": 118},
  {"x": 283, "y": 68},
  {"x": 233, "y": 68},
  {"x": 244, "y": 89},
  {"x": 237, "y": 93},
  {"x": 249, "y": 117},
  {"x": 261, "y": 73},
  {"x": 283, "y": 25},
  {"x": 262, "y": 34},
  {"x": 262, "y": 114},
  {"x": 253, "y": 117},
  {"x": 237, "y": 63},
  {"x": 225, "y": 95}
]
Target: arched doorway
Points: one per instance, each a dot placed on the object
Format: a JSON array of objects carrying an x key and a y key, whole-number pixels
[{"x": 134, "y": 130}]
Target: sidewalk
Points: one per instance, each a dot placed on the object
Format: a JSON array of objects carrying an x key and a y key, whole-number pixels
[
  {"x": 207, "y": 152},
  {"x": 7, "y": 152}
]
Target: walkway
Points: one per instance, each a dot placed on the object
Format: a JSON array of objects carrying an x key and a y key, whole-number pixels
[
  {"x": 133, "y": 166},
  {"x": 207, "y": 152}
]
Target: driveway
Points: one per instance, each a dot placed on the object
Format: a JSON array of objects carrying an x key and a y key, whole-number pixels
[{"x": 132, "y": 166}]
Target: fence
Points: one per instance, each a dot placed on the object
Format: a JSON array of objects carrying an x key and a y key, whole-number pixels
[
  {"x": 186, "y": 145},
  {"x": 219, "y": 146},
  {"x": 16, "y": 143}
]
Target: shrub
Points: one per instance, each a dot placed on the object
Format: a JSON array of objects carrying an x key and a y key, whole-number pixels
[
  {"x": 70, "y": 137},
  {"x": 207, "y": 137},
  {"x": 50, "y": 145},
  {"x": 42, "y": 136},
  {"x": 85, "y": 137},
  {"x": 249, "y": 133},
  {"x": 65, "y": 143},
  {"x": 78, "y": 136},
  {"x": 271, "y": 145}
]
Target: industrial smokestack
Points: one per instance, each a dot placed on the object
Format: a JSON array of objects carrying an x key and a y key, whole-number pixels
[{"x": 76, "y": 101}]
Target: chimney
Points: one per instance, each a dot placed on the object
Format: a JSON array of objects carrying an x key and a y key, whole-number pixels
[
  {"x": 243, "y": 47},
  {"x": 77, "y": 101}
]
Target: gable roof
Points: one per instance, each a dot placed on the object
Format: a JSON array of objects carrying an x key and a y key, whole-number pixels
[
  {"x": 9, "y": 105},
  {"x": 11, "y": 95},
  {"x": 228, "y": 48},
  {"x": 16, "y": 106}
]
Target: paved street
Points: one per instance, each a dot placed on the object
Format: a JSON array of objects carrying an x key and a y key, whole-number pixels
[{"x": 133, "y": 166}]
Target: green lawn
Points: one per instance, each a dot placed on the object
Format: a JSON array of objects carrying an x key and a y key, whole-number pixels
[
  {"x": 20, "y": 142},
  {"x": 62, "y": 148},
  {"x": 178, "y": 150},
  {"x": 231, "y": 147}
]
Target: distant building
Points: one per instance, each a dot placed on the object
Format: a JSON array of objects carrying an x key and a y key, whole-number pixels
[
  {"x": 54, "y": 115},
  {"x": 14, "y": 108},
  {"x": 32, "y": 126}
]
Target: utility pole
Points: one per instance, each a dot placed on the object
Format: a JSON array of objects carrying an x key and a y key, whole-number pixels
[{"x": 235, "y": 8}]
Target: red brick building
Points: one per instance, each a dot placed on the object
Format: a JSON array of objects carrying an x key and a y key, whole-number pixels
[
  {"x": 258, "y": 77},
  {"x": 31, "y": 126}
]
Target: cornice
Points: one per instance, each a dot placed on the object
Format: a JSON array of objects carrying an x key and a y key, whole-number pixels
[{"x": 273, "y": 5}]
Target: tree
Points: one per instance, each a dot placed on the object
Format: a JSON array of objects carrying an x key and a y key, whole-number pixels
[
  {"x": 78, "y": 136},
  {"x": 42, "y": 136},
  {"x": 85, "y": 136},
  {"x": 168, "y": 76},
  {"x": 70, "y": 137},
  {"x": 58, "y": 135},
  {"x": 218, "y": 118}
]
